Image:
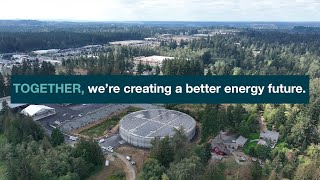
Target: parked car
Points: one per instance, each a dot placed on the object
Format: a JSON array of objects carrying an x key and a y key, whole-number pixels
[
  {"x": 101, "y": 141},
  {"x": 128, "y": 158},
  {"x": 110, "y": 149},
  {"x": 73, "y": 138},
  {"x": 104, "y": 148}
]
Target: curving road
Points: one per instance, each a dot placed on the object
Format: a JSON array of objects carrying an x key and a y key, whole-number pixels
[{"x": 130, "y": 170}]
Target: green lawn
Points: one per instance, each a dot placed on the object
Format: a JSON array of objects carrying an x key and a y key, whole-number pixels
[
  {"x": 247, "y": 146},
  {"x": 99, "y": 129},
  {"x": 253, "y": 136}
]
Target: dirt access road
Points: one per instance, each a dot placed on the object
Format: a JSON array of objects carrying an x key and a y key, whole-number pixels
[{"x": 129, "y": 169}]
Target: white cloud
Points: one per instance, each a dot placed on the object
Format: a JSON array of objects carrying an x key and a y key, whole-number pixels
[{"x": 165, "y": 10}]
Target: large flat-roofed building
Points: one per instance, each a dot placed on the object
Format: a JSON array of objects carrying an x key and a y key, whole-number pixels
[
  {"x": 151, "y": 60},
  {"x": 128, "y": 43},
  {"x": 141, "y": 127},
  {"x": 38, "y": 112},
  {"x": 47, "y": 51}
]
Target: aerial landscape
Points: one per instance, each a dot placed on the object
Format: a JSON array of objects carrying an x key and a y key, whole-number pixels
[{"x": 160, "y": 141}]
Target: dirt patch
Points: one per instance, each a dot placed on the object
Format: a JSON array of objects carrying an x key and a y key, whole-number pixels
[
  {"x": 191, "y": 107},
  {"x": 138, "y": 155},
  {"x": 116, "y": 165}
]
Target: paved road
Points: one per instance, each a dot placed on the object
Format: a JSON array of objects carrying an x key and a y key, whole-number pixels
[{"x": 113, "y": 141}]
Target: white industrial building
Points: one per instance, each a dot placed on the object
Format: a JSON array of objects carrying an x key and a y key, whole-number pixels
[
  {"x": 129, "y": 43},
  {"x": 47, "y": 51},
  {"x": 151, "y": 60},
  {"x": 38, "y": 112}
]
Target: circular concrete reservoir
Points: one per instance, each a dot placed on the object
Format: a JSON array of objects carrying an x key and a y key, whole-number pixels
[{"x": 140, "y": 127}]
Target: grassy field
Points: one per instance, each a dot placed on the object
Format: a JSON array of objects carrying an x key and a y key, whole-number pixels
[{"x": 100, "y": 129}]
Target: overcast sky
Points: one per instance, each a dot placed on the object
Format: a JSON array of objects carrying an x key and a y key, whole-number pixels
[{"x": 162, "y": 10}]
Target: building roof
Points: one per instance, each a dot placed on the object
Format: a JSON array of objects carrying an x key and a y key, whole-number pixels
[
  {"x": 241, "y": 140},
  {"x": 273, "y": 135},
  {"x": 8, "y": 100},
  {"x": 156, "y": 123},
  {"x": 222, "y": 147},
  {"x": 34, "y": 109},
  {"x": 155, "y": 59},
  {"x": 262, "y": 142}
]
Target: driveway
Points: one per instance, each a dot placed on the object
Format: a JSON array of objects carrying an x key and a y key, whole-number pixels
[{"x": 130, "y": 169}]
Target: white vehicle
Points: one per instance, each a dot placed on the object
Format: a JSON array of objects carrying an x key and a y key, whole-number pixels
[
  {"x": 128, "y": 158},
  {"x": 57, "y": 122},
  {"x": 109, "y": 148},
  {"x": 73, "y": 138},
  {"x": 101, "y": 141},
  {"x": 104, "y": 148},
  {"x": 242, "y": 159},
  {"x": 107, "y": 163},
  {"x": 133, "y": 163},
  {"x": 80, "y": 115}
]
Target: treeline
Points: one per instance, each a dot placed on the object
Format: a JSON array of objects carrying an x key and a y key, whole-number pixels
[
  {"x": 26, "y": 68},
  {"x": 4, "y": 86},
  {"x": 260, "y": 53},
  {"x": 29, "y": 41},
  {"x": 115, "y": 60},
  {"x": 177, "y": 158},
  {"x": 28, "y": 153},
  {"x": 179, "y": 66},
  {"x": 34, "y": 68}
]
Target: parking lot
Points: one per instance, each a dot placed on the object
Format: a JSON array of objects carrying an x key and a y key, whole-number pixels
[
  {"x": 112, "y": 141},
  {"x": 67, "y": 112},
  {"x": 74, "y": 116}
]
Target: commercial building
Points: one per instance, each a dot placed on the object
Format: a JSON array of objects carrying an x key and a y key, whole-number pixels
[
  {"x": 151, "y": 60},
  {"x": 141, "y": 127}
]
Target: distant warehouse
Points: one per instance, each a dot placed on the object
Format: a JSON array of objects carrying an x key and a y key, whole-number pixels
[
  {"x": 141, "y": 127},
  {"x": 38, "y": 112},
  {"x": 152, "y": 60}
]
